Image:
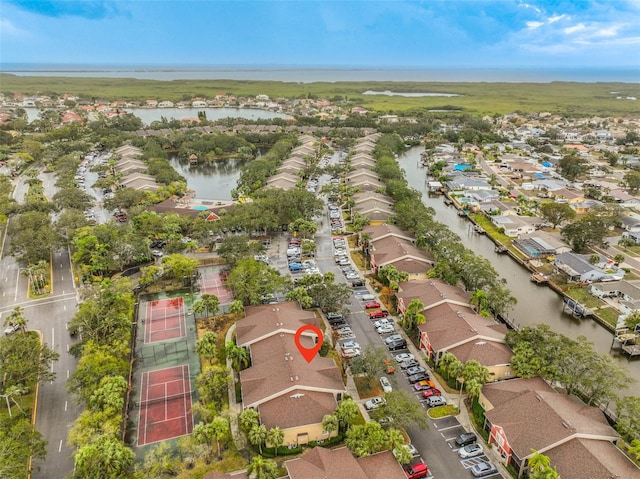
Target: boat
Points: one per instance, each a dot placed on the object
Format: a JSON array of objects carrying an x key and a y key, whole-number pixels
[
  {"x": 539, "y": 278},
  {"x": 479, "y": 229},
  {"x": 500, "y": 249},
  {"x": 462, "y": 213},
  {"x": 576, "y": 308}
]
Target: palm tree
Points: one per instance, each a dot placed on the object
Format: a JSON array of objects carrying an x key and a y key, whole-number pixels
[
  {"x": 207, "y": 345},
  {"x": 211, "y": 304},
  {"x": 480, "y": 300},
  {"x": 236, "y": 307},
  {"x": 198, "y": 307},
  {"x": 329, "y": 423},
  {"x": 275, "y": 437},
  {"x": 540, "y": 467},
  {"x": 238, "y": 356},
  {"x": 257, "y": 436},
  {"x": 346, "y": 412},
  {"x": 248, "y": 419},
  {"x": 262, "y": 468},
  {"x": 9, "y": 393},
  {"x": 394, "y": 438},
  {"x": 219, "y": 430}
]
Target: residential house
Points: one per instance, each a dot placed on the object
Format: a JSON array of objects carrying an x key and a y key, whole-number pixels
[
  {"x": 360, "y": 174},
  {"x": 630, "y": 223},
  {"x": 376, "y": 210},
  {"x": 524, "y": 416},
  {"x": 626, "y": 292},
  {"x": 464, "y": 182},
  {"x": 431, "y": 293},
  {"x": 321, "y": 463},
  {"x": 515, "y": 226},
  {"x": 377, "y": 232},
  {"x": 366, "y": 184},
  {"x": 582, "y": 206},
  {"x": 281, "y": 385},
  {"x": 404, "y": 256},
  {"x": 541, "y": 244},
  {"x": 285, "y": 181},
  {"x": 128, "y": 150},
  {"x": 578, "y": 268},
  {"x": 139, "y": 181},
  {"x": 457, "y": 329}
]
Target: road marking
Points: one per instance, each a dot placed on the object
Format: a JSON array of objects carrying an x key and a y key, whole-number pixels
[
  {"x": 60, "y": 446},
  {"x": 64, "y": 306},
  {"x": 450, "y": 427},
  {"x": 15, "y": 298},
  {"x": 67, "y": 374},
  {"x": 67, "y": 348},
  {"x": 65, "y": 405},
  {"x": 62, "y": 279}
]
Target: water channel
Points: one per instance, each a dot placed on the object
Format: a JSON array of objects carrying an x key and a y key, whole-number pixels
[{"x": 536, "y": 304}]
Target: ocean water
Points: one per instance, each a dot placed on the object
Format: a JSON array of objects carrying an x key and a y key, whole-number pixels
[{"x": 308, "y": 74}]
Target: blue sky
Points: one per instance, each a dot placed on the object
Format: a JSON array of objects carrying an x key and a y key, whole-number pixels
[{"x": 433, "y": 34}]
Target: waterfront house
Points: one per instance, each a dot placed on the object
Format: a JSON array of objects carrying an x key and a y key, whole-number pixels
[
  {"x": 286, "y": 390},
  {"x": 322, "y": 463},
  {"x": 524, "y": 416},
  {"x": 140, "y": 182},
  {"x": 376, "y": 210},
  {"x": 541, "y": 244},
  {"x": 284, "y": 181},
  {"x": 626, "y": 292},
  {"x": 515, "y": 226},
  {"x": 578, "y": 268},
  {"x": 464, "y": 182}
]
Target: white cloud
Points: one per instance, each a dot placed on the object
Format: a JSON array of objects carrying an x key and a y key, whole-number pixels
[
  {"x": 555, "y": 18},
  {"x": 611, "y": 31},
  {"x": 534, "y": 25},
  {"x": 10, "y": 30},
  {"x": 574, "y": 29},
  {"x": 526, "y": 5}
]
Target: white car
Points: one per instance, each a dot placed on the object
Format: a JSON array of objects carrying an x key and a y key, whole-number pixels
[
  {"x": 385, "y": 329},
  {"x": 344, "y": 330},
  {"x": 400, "y": 358},
  {"x": 350, "y": 353},
  {"x": 411, "y": 448},
  {"x": 350, "y": 344},
  {"x": 471, "y": 450},
  {"x": 386, "y": 385},
  {"x": 374, "y": 403},
  {"x": 381, "y": 322},
  {"x": 367, "y": 297}
]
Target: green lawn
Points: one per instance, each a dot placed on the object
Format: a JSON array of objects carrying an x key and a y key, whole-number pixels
[
  {"x": 571, "y": 98},
  {"x": 584, "y": 298},
  {"x": 609, "y": 314}
]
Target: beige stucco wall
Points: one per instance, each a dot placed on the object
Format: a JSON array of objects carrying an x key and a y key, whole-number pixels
[
  {"x": 497, "y": 373},
  {"x": 314, "y": 431}
]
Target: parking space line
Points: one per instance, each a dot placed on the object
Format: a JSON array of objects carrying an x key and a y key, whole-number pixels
[{"x": 450, "y": 427}]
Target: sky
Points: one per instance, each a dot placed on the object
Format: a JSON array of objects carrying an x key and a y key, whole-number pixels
[{"x": 342, "y": 33}]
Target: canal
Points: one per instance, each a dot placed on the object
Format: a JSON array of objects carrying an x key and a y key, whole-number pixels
[{"x": 536, "y": 304}]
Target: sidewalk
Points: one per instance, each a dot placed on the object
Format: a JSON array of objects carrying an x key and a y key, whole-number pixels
[{"x": 235, "y": 408}]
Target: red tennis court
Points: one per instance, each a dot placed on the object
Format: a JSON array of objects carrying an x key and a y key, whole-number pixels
[
  {"x": 165, "y": 319},
  {"x": 212, "y": 282},
  {"x": 165, "y": 405}
]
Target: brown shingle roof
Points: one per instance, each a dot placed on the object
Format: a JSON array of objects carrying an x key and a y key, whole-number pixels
[
  {"x": 391, "y": 249},
  {"x": 539, "y": 420},
  {"x": 278, "y": 368},
  {"x": 581, "y": 458},
  {"x": 321, "y": 463},
  {"x": 487, "y": 353},
  {"x": 503, "y": 391},
  {"x": 269, "y": 319},
  {"x": 380, "y": 231},
  {"x": 297, "y": 408},
  {"x": 431, "y": 292},
  {"x": 449, "y": 324}
]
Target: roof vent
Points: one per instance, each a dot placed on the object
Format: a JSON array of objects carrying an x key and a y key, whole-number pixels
[
  {"x": 291, "y": 377},
  {"x": 297, "y": 377},
  {"x": 481, "y": 343},
  {"x": 296, "y": 396},
  {"x": 538, "y": 397},
  {"x": 459, "y": 313}
]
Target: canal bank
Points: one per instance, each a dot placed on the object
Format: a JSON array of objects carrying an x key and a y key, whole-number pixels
[{"x": 536, "y": 304}]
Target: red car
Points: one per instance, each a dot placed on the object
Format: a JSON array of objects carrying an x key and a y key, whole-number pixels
[
  {"x": 431, "y": 392},
  {"x": 372, "y": 305},
  {"x": 378, "y": 314}
]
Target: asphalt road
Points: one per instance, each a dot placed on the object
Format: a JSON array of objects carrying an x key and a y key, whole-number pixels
[{"x": 56, "y": 410}]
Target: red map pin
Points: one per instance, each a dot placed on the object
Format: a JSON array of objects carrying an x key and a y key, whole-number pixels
[{"x": 309, "y": 353}]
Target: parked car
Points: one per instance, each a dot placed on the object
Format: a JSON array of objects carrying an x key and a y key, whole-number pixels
[
  {"x": 434, "y": 401},
  {"x": 386, "y": 385},
  {"x": 385, "y": 329},
  {"x": 381, "y": 322},
  {"x": 350, "y": 344},
  {"x": 374, "y": 403},
  {"x": 465, "y": 439},
  {"x": 483, "y": 468},
  {"x": 409, "y": 363},
  {"x": 388, "y": 366},
  {"x": 380, "y": 313},
  {"x": 424, "y": 384},
  {"x": 416, "y": 469},
  {"x": 415, "y": 370},
  {"x": 394, "y": 346},
  {"x": 471, "y": 450},
  {"x": 427, "y": 393},
  {"x": 333, "y": 315},
  {"x": 356, "y": 283},
  {"x": 403, "y": 357},
  {"x": 344, "y": 330},
  {"x": 366, "y": 296},
  {"x": 372, "y": 305},
  {"x": 411, "y": 448},
  {"x": 350, "y": 353},
  {"x": 417, "y": 377},
  {"x": 295, "y": 267},
  {"x": 392, "y": 338}
]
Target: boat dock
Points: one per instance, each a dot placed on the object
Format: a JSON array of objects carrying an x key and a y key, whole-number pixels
[
  {"x": 629, "y": 342},
  {"x": 575, "y": 308},
  {"x": 539, "y": 278}
]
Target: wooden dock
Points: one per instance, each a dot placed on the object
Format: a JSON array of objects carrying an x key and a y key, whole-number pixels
[{"x": 539, "y": 278}]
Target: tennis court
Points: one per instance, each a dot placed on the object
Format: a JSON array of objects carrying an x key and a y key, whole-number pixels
[
  {"x": 165, "y": 319},
  {"x": 165, "y": 405},
  {"x": 213, "y": 281}
]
